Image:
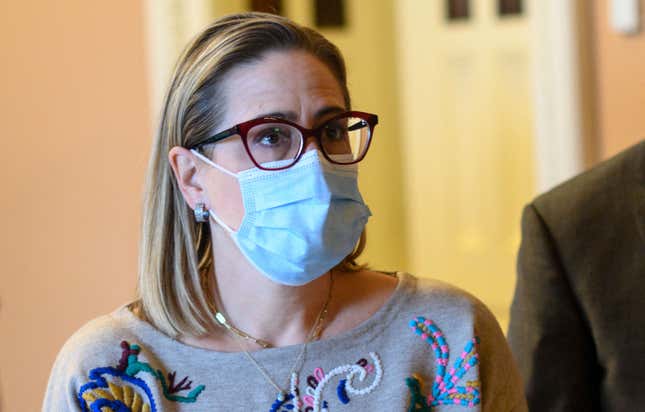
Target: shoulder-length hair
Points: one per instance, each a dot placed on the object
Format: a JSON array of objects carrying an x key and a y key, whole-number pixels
[{"x": 176, "y": 265}]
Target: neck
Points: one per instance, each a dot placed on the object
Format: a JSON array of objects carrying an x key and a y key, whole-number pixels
[{"x": 278, "y": 314}]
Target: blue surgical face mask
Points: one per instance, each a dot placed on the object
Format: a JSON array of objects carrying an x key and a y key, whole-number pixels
[{"x": 298, "y": 222}]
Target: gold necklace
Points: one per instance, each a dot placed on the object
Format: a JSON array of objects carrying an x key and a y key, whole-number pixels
[
  {"x": 314, "y": 334},
  {"x": 219, "y": 317}
]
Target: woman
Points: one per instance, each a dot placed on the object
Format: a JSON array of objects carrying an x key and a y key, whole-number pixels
[{"x": 250, "y": 294}]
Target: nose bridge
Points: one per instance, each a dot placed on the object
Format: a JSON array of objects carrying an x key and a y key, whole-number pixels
[{"x": 309, "y": 140}]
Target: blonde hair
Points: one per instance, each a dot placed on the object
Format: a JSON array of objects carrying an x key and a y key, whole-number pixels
[{"x": 175, "y": 284}]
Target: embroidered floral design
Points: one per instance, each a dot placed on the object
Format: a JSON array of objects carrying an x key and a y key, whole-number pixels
[
  {"x": 445, "y": 390},
  {"x": 119, "y": 389},
  {"x": 313, "y": 400}
]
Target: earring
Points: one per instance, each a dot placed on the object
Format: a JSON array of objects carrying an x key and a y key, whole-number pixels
[{"x": 201, "y": 213}]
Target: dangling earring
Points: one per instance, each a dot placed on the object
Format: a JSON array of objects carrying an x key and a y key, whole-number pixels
[{"x": 201, "y": 213}]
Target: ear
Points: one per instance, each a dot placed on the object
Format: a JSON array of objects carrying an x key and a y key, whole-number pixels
[{"x": 186, "y": 170}]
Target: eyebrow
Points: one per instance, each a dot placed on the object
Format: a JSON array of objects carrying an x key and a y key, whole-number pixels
[{"x": 292, "y": 116}]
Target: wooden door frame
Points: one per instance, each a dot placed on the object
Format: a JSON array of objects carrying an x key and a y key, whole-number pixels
[{"x": 563, "y": 93}]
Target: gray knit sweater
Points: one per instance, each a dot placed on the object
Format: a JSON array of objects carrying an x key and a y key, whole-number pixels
[{"x": 431, "y": 347}]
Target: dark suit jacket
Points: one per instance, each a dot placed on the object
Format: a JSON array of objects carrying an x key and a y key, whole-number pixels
[{"x": 578, "y": 316}]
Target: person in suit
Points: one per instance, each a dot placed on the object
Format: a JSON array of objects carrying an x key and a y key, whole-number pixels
[{"x": 577, "y": 324}]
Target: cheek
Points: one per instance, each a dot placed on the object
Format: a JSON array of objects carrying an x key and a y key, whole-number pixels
[
  {"x": 224, "y": 190},
  {"x": 231, "y": 155},
  {"x": 225, "y": 198}
]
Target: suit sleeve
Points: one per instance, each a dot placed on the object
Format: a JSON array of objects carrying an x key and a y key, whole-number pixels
[{"x": 548, "y": 333}]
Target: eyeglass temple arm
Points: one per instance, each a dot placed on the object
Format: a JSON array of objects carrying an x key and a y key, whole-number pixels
[
  {"x": 358, "y": 125},
  {"x": 217, "y": 137},
  {"x": 364, "y": 122},
  {"x": 371, "y": 121}
]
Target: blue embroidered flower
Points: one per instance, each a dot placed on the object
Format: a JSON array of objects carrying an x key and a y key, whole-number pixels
[{"x": 120, "y": 390}]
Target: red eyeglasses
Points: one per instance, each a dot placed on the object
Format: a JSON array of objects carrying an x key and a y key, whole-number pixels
[{"x": 274, "y": 143}]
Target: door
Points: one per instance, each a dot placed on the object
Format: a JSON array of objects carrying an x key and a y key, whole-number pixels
[{"x": 466, "y": 122}]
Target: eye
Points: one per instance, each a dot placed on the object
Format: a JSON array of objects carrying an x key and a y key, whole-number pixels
[
  {"x": 335, "y": 131},
  {"x": 271, "y": 136}
]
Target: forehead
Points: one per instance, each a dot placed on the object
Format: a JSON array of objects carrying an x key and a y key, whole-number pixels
[{"x": 293, "y": 82}]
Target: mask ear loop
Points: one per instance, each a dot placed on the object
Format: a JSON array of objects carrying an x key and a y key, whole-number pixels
[
  {"x": 211, "y": 213},
  {"x": 219, "y": 221},
  {"x": 211, "y": 163}
]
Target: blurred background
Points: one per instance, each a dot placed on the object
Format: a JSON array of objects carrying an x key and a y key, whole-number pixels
[{"x": 483, "y": 104}]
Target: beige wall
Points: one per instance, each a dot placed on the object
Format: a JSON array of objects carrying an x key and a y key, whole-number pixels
[
  {"x": 619, "y": 61},
  {"x": 75, "y": 133}
]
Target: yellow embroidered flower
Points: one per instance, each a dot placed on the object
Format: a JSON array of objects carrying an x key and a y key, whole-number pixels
[{"x": 125, "y": 394}]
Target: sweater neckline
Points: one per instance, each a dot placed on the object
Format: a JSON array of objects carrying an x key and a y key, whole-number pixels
[{"x": 360, "y": 334}]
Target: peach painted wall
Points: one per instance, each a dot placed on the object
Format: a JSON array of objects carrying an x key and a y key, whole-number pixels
[
  {"x": 75, "y": 134},
  {"x": 620, "y": 82}
]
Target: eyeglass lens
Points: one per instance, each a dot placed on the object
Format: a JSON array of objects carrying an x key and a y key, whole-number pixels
[{"x": 344, "y": 140}]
